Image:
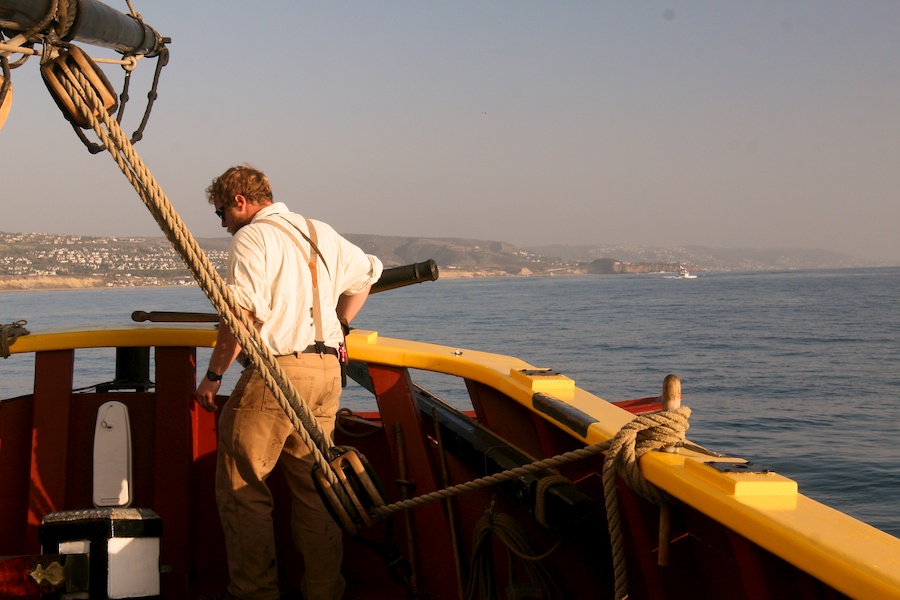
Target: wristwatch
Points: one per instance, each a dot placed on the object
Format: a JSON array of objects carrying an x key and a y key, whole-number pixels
[{"x": 213, "y": 376}]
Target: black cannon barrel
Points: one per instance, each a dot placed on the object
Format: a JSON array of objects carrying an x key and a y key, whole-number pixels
[
  {"x": 395, "y": 277},
  {"x": 86, "y": 21}
]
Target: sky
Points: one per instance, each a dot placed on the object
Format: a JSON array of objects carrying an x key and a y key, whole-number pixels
[{"x": 717, "y": 123}]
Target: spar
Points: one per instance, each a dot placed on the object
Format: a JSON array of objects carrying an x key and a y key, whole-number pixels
[{"x": 48, "y": 29}]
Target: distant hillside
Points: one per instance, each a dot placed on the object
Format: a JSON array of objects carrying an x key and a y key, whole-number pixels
[
  {"x": 458, "y": 253},
  {"x": 30, "y": 260}
]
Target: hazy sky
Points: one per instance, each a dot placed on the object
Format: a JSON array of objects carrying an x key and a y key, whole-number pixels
[{"x": 720, "y": 123}]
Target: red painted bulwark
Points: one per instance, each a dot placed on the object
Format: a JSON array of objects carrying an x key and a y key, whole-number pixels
[
  {"x": 429, "y": 523},
  {"x": 50, "y": 439},
  {"x": 173, "y": 461},
  {"x": 15, "y": 469}
]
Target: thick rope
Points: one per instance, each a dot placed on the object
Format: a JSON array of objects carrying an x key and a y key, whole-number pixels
[
  {"x": 483, "y": 482},
  {"x": 204, "y": 272},
  {"x": 540, "y": 497},
  {"x": 644, "y": 433},
  {"x": 9, "y": 333}
]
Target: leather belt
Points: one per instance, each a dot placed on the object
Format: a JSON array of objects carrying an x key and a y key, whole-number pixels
[{"x": 315, "y": 349}]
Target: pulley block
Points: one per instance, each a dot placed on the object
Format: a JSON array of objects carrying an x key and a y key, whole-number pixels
[
  {"x": 360, "y": 484},
  {"x": 64, "y": 67}
]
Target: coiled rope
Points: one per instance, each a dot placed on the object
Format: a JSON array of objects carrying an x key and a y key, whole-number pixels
[
  {"x": 122, "y": 150},
  {"x": 9, "y": 333},
  {"x": 482, "y": 583}
]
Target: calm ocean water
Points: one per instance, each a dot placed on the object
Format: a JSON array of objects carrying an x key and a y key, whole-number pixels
[{"x": 797, "y": 371}]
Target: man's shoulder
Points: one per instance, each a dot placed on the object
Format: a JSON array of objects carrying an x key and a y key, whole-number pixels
[
  {"x": 322, "y": 226},
  {"x": 301, "y": 222}
]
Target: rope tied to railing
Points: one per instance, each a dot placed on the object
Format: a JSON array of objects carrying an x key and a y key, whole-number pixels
[
  {"x": 662, "y": 430},
  {"x": 9, "y": 333}
]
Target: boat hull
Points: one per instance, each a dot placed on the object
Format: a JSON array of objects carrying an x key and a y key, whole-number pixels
[{"x": 740, "y": 536}]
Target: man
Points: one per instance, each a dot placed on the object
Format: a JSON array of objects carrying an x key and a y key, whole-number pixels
[{"x": 297, "y": 280}]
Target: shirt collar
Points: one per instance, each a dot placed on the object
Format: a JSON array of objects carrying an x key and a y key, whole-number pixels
[{"x": 276, "y": 208}]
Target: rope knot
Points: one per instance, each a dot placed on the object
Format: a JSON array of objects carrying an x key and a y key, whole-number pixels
[{"x": 644, "y": 433}]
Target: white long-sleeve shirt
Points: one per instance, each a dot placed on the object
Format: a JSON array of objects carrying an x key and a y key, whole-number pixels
[{"x": 270, "y": 277}]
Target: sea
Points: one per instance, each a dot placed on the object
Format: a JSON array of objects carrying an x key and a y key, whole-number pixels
[{"x": 797, "y": 371}]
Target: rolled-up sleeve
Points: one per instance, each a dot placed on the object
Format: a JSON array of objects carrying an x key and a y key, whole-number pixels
[{"x": 370, "y": 276}]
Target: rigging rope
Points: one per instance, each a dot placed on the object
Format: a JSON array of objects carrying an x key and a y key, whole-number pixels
[
  {"x": 489, "y": 480},
  {"x": 134, "y": 169}
]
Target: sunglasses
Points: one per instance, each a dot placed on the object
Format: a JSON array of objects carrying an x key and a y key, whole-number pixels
[{"x": 220, "y": 212}]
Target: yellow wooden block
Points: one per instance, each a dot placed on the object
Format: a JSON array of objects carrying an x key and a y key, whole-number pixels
[
  {"x": 368, "y": 337},
  {"x": 543, "y": 380},
  {"x": 741, "y": 484}
]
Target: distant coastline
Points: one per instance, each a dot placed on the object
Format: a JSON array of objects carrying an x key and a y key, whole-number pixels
[{"x": 47, "y": 283}]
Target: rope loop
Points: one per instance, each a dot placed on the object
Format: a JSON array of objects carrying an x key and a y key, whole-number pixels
[
  {"x": 483, "y": 584},
  {"x": 9, "y": 333}
]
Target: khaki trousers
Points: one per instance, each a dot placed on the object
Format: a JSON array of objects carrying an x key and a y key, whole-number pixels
[{"x": 254, "y": 435}]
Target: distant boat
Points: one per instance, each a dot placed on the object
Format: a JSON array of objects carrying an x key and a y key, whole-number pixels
[{"x": 684, "y": 274}]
